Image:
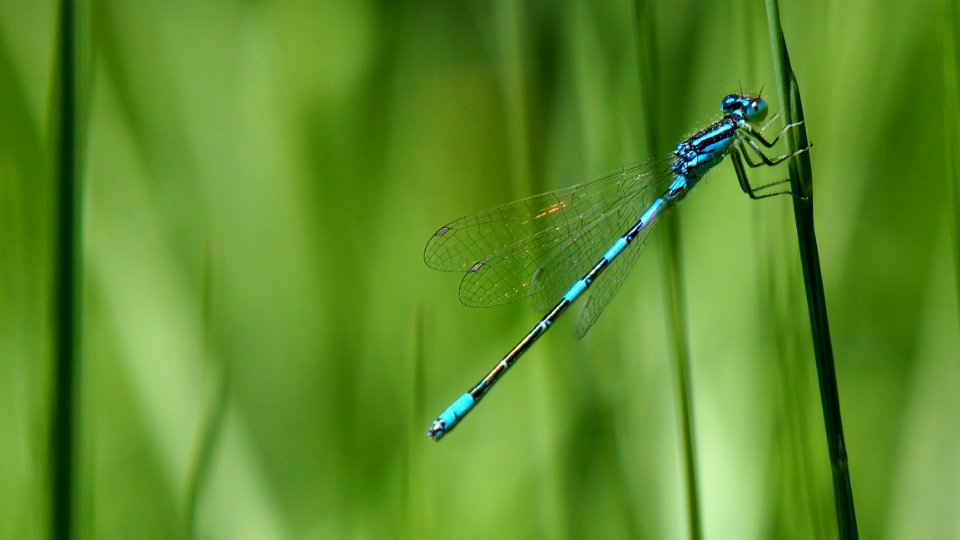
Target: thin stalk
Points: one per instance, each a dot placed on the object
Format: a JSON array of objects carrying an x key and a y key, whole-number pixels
[
  {"x": 951, "y": 67},
  {"x": 212, "y": 427},
  {"x": 801, "y": 182},
  {"x": 66, "y": 286},
  {"x": 414, "y": 516},
  {"x": 673, "y": 265}
]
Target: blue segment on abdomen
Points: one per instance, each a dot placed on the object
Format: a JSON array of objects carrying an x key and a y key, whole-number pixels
[
  {"x": 652, "y": 211},
  {"x": 575, "y": 291},
  {"x": 456, "y": 411},
  {"x": 615, "y": 249}
]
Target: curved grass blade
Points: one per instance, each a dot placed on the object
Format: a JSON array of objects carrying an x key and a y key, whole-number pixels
[
  {"x": 801, "y": 184},
  {"x": 505, "y": 251}
]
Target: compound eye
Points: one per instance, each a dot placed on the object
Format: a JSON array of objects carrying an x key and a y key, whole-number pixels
[{"x": 757, "y": 110}]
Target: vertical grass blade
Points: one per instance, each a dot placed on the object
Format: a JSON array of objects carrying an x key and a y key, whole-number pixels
[
  {"x": 673, "y": 263},
  {"x": 212, "y": 426},
  {"x": 414, "y": 515},
  {"x": 951, "y": 68},
  {"x": 801, "y": 182},
  {"x": 66, "y": 286}
]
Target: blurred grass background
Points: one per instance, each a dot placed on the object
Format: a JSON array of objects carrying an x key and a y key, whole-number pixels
[{"x": 263, "y": 347}]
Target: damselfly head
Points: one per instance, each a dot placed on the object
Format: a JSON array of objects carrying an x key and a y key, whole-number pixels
[{"x": 751, "y": 109}]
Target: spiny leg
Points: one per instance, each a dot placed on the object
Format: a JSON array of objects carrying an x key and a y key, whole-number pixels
[
  {"x": 770, "y": 162},
  {"x": 758, "y": 134},
  {"x": 740, "y": 154},
  {"x": 735, "y": 156}
]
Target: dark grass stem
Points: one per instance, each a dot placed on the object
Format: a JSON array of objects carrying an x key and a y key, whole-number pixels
[
  {"x": 66, "y": 286},
  {"x": 673, "y": 263},
  {"x": 801, "y": 182}
]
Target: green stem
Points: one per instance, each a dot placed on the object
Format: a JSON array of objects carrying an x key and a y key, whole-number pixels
[
  {"x": 66, "y": 298},
  {"x": 212, "y": 427},
  {"x": 673, "y": 266},
  {"x": 801, "y": 182},
  {"x": 414, "y": 516},
  {"x": 951, "y": 66}
]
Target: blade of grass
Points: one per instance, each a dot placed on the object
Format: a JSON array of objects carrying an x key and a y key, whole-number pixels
[
  {"x": 673, "y": 263},
  {"x": 801, "y": 182},
  {"x": 67, "y": 268},
  {"x": 951, "y": 47},
  {"x": 213, "y": 422},
  {"x": 414, "y": 515}
]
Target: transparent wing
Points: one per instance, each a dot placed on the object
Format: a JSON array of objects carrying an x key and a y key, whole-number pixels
[
  {"x": 605, "y": 288},
  {"x": 499, "y": 280},
  {"x": 564, "y": 266},
  {"x": 501, "y": 249},
  {"x": 457, "y": 246}
]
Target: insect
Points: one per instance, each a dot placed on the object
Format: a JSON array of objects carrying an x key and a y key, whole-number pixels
[{"x": 540, "y": 247}]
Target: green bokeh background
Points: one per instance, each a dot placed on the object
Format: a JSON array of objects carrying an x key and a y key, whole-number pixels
[{"x": 263, "y": 347}]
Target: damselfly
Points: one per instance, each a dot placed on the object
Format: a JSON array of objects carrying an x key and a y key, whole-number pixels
[{"x": 540, "y": 247}]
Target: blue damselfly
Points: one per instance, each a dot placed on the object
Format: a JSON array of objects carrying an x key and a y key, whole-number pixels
[{"x": 540, "y": 247}]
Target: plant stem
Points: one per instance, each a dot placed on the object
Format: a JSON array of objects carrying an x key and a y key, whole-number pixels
[
  {"x": 66, "y": 298},
  {"x": 673, "y": 265},
  {"x": 212, "y": 427},
  {"x": 801, "y": 183},
  {"x": 951, "y": 67}
]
